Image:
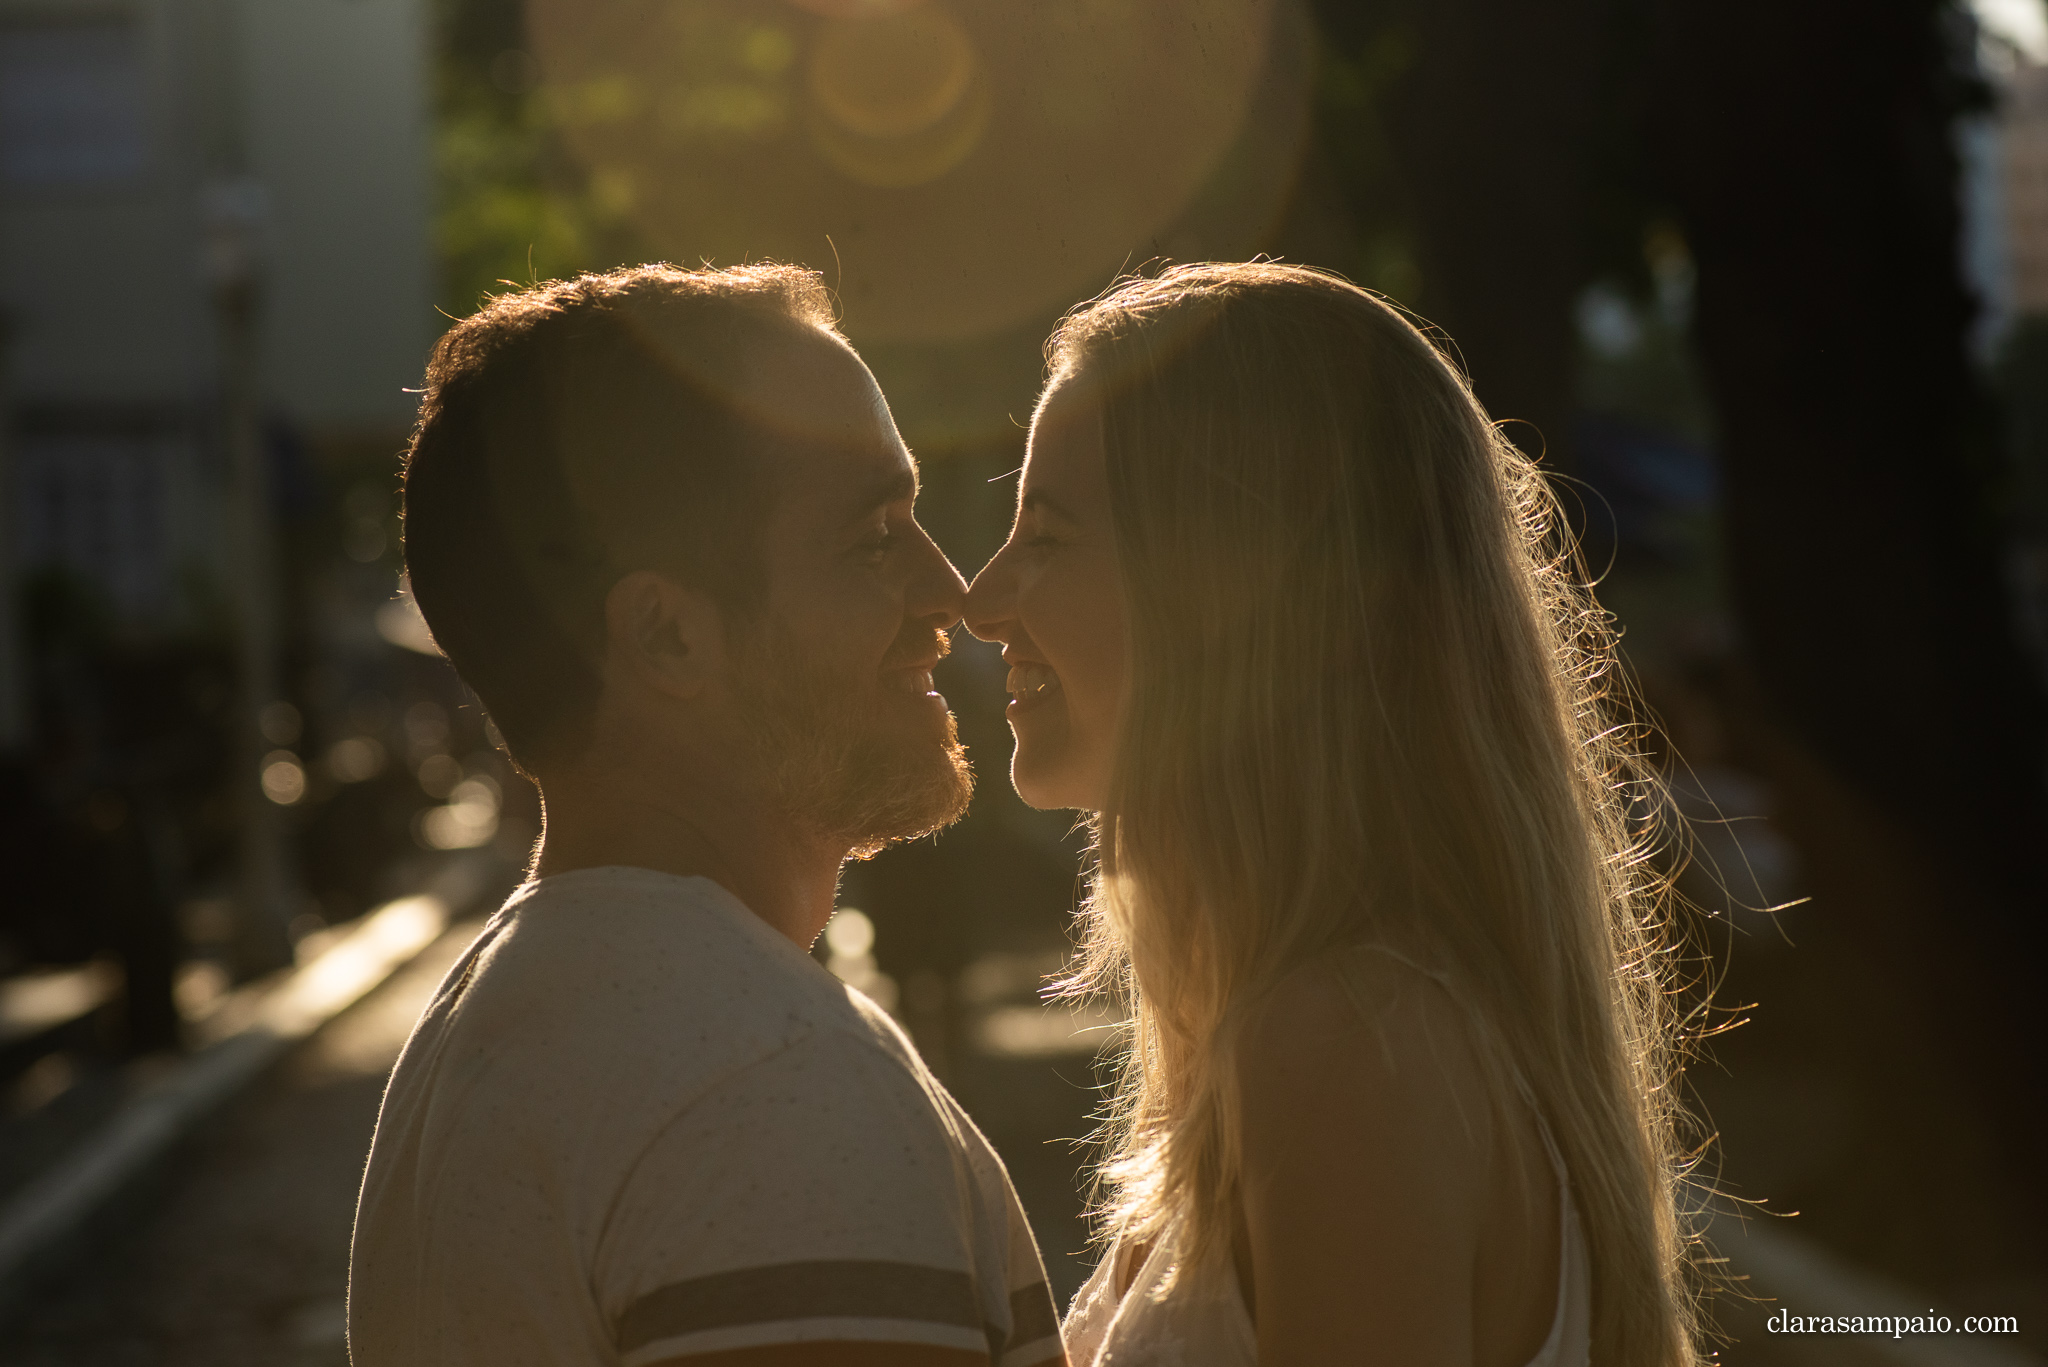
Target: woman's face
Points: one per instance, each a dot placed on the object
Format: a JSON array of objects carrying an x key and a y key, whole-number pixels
[{"x": 1052, "y": 597}]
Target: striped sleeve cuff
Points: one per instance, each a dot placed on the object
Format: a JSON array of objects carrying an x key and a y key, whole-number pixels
[
  {"x": 860, "y": 1301},
  {"x": 1034, "y": 1329}
]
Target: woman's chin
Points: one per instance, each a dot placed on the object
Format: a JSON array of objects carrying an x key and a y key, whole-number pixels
[
  {"x": 1051, "y": 787},
  {"x": 1034, "y": 791},
  {"x": 1047, "y": 803}
]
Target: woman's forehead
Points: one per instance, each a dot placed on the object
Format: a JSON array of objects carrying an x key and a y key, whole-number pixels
[{"x": 1063, "y": 464}]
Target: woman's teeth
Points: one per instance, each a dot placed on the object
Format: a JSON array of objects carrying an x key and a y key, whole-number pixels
[{"x": 1030, "y": 680}]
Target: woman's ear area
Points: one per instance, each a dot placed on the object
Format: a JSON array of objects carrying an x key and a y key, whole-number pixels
[{"x": 663, "y": 636}]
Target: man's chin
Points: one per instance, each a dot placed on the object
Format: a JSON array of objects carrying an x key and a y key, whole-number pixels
[
  {"x": 909, "y": 800},
  {"x": 877, "y": 790}
]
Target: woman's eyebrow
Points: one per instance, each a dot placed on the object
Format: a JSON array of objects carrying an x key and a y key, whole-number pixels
[{"x": 1038, "y": 501}]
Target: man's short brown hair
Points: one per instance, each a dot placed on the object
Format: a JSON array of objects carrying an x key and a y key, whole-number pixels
[{"x": 571, "y": 433}]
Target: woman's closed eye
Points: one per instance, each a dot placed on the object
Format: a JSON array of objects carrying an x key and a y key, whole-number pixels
[{"x": 876, "y": 549}]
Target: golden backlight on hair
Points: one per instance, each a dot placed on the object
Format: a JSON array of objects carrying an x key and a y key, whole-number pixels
[
  {"x": 1367, "y": 705},
  {"x": 953, "y": 153}
]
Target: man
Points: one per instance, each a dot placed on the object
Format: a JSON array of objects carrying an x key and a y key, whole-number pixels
[{"x": 662, "y": 523}]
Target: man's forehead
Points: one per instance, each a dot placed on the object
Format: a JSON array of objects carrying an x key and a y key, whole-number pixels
[
  {"x": 807, "y": 386},
  {"x": 826, "y": 435}
]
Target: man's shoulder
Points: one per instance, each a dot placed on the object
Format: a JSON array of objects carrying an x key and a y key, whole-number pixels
[
  {"x": 635, "y": 943},
  {"x": 834, "y": 1180},
  {"x": 843, "y": 1064},
  {"x": 628, "y": 994}
]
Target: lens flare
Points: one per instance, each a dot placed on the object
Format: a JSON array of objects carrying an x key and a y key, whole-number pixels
[
  {"x": 892, "y": 76},
  {"x": 958, "y": 170},
  {"x": 896, "y": 100}
]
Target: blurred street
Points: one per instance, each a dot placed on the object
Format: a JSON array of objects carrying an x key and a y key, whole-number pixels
[
  {"x": 236, "y": 1252},
  {"x": 240, "y": 1255}
]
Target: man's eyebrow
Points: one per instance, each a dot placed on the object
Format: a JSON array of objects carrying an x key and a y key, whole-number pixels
[{"x": 897, "y": 486}]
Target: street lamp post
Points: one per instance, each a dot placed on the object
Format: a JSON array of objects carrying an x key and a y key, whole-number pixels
[
  {"x": 235, "y": 213},
  {"x": 14, "y": 684}
]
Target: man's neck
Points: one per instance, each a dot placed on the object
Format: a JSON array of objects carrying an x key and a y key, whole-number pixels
[{"x": 592, "y": 820}]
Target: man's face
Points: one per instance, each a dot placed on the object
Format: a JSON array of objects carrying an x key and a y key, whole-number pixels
[{"x": 833, "y": 679}]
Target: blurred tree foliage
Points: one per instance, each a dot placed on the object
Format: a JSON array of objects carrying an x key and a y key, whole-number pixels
[
  {"x": 1467, "y": 132},
  {"x": 1357, "y": 74},
  {"x": 1802, "y": 159},
  {"x": 512, "y": 207},
  {"x": 1859, "y": 448},
  {"x": 1527, "y": 152}
]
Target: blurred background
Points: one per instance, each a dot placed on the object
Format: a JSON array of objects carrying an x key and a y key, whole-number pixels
[{"x": 1764, "y": 283}]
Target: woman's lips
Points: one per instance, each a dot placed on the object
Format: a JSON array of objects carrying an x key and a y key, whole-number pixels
[{"x": 1030, "y": 685}]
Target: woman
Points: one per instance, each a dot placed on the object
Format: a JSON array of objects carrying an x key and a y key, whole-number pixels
[{"x": 1279, "y": 611}]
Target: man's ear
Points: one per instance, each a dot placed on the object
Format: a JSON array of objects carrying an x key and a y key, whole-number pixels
[{"x": 665, "y": 637}]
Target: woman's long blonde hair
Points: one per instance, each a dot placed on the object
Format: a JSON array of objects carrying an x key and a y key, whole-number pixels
[{"x": 1368, "y": 703}]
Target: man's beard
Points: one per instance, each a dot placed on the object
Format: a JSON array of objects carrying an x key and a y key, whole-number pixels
[{"x": 830, "y": 761}]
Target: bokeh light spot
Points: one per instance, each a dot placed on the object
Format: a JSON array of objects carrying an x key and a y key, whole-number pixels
[
  {"x": 768, "y": 50},
  {"x": 284, "y": 778},
  {"x": 596, "y": 102},
  {"x": 850, "y": 933},
  {"x": 856, "y": 9},
  {"x": 356, "y": 759},
  {"x": 722, "y": 108},
  {"x": 469, "y": 819}
]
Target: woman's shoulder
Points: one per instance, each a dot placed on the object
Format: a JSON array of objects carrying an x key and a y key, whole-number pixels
[
  {"x": 1370, "y": 1144},
  {"x": 1363, "y": 1026},
  {"x": 1354, "y": 994}
]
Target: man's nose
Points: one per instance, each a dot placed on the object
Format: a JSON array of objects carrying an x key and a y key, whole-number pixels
[
  {"x": 939, "y": 594},
  {"x": 991, "y": 599}
]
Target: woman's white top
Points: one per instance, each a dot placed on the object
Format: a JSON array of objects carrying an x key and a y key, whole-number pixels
[{"x": 1195, "y": 1316}]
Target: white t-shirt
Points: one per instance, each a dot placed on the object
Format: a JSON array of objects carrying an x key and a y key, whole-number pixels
[{"x": 637, "y": 1123}]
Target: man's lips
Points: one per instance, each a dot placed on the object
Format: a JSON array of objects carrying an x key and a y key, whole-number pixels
[
  {"x": 911, "y": 671},
  {"x": 915, "y": 680}
]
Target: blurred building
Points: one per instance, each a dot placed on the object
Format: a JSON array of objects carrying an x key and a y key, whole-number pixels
[
  {"x": 216, "y": 283},
  {"x": 2015, "y": 177},
  {"x": 2024, "y": 177},
  {"x": 175, "y": 176}
]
